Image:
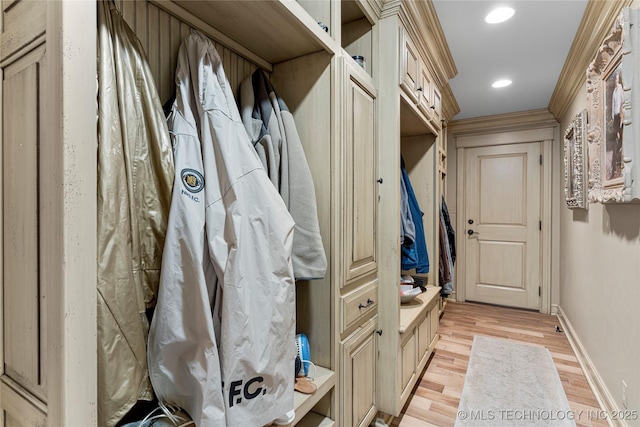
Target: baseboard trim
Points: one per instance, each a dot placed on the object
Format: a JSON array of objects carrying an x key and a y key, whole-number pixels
[
  {"x": 599, "y": 388},
  {"x": 554, "y": 309}
]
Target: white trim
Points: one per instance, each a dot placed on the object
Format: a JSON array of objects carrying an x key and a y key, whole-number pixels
[
  {"x": 461, "y": 274},
  {"x": 502, "y": 138},
  {"x": 599, "y": 388},
  {"x": 545, "y": 217},
  {"x": 70, "y": 210},
  {"x": 545, "y": 136}
]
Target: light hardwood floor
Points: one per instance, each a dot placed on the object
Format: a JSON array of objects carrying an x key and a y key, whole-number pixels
[{"x": 435, "y": 399}]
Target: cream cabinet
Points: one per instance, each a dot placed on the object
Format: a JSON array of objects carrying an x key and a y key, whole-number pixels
[
  {"x": 358, "y": 288},
  {"x": 418, "y": 337},
  {"x": 437, "y": 106},
  {"x": 409, "y": 67},
  {"x": 425, "y": 90},
  {"x": 51, "y": 321},
  {"x": 360, "y": 171},
  {"x": 358, "y": 381},
  {"x": 410, "y": 331}
]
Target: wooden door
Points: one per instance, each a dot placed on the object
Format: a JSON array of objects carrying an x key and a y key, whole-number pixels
[
  {"x": 502, "y": 225},
  {"x": 359, "y": 364},
  {"x": 410, "y": 67},
  {"x": 360, "y": 172}
]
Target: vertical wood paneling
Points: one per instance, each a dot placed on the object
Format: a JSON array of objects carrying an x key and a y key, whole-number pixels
[
  {"x": 153, "y": 54},
  {"x": 140, "y": 28},
  {"x": 161, "y": 35},
  {"x": 128, "y": 10},
  {"x": 167, "y": 71},
  {"x": 226, "y": 56},
  {"x": 184, "y": 30},
  {"x": 176, "y": 41},
  {"x": 20, "y": 226}
]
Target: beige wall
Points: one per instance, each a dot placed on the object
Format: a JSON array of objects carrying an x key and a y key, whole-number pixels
[{"x": 600, "y": 284}]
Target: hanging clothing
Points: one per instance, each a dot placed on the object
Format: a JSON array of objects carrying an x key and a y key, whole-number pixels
[
  {"x": 273, "y": 132},
  {"x": 135, "y": 178},
  {"x": 414, "y": 255},
  {"x": 447, "y": 251},
  {"x": 451, "y": 235},
  {"x": 223, "y": 351},
  {"x": 407, "y": 228}
]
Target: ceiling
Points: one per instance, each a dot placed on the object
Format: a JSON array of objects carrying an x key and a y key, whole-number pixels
[{"x": 530, "y": 49}]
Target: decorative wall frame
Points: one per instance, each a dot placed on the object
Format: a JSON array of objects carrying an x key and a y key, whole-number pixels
[
  {"x": 610, "y": 98},
  {"x": 575, "y": 167}
]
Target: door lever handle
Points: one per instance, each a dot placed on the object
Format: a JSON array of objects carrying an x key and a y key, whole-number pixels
[{"x": 471, "y": 232}]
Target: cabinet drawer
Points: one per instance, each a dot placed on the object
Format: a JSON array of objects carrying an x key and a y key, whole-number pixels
[{"x": 358, "y": 304}]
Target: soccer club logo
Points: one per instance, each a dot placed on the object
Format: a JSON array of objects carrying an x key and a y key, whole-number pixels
[{"x": 192, "y": 180}]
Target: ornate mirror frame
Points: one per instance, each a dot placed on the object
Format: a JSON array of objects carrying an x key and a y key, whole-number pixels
[
  {"x": 575, "y": 168},
  {"x": 611, "y": 140}
]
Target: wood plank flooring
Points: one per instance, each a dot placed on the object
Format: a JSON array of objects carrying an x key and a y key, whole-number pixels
[{"x": 435, "y": 399}]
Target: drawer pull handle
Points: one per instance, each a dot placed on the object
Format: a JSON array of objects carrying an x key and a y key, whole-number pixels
[{"x": 369, "y": 302}]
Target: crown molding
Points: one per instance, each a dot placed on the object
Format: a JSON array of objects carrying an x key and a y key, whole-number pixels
[
  {"x": 421, "y": 22},
  {"x": 522, "y": 120},
  {"x": 450, "y": 105},
  {"x": 596, "y": 24}
]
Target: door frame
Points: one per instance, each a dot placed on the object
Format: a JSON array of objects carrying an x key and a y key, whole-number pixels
[{"x": 546, "y": 137}]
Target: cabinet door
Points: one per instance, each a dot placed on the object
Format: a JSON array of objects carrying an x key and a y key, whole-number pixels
[
  {"x": 424, "y": 336},
  {"x": 437, "y": 105},
  {"x": 435, "y": 321},
  {"x": 360, "y": 172},
  {"x": 24, "y": 339},
  {"x": 424, "y": 90},
  {"x": 408, "y": 363},
  {"x": 359, "y": 355},
  {"x": 409, "y": 66}
]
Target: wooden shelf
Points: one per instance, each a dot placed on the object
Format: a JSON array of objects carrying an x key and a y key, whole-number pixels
[
  {"x": 315, "y": 420},
  {"x": 276, "y": 30},
  {"x": 325, "y": 380},
  {"x": 411, "y": 312}
]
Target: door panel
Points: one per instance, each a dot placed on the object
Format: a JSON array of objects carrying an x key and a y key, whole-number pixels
[
  {"x": 361, "y": 189},
  {"x": 359, "y": 367},
  {"x": 24, "y": 341},
  {"x": 503, "y": 212}
]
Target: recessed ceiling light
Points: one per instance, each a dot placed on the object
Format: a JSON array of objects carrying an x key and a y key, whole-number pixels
[
  {"x": 501, "y": 83},
  {"x": 500, "y": 14}
]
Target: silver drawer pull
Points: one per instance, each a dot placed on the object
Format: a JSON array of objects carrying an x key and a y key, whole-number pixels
[{"x": 369, "y": 302}]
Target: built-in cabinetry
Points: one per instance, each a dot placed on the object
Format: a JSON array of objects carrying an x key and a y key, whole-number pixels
[
  {"x": 358, "y": 289},
  {"x": 354, "y": 122},
  {"x": 409, "y": 32}
]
